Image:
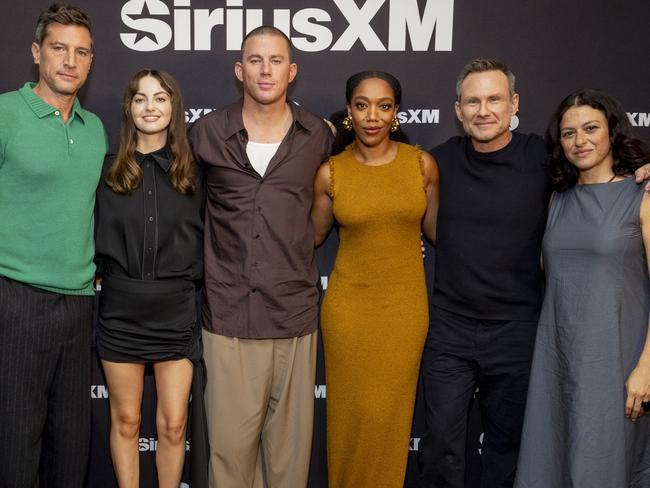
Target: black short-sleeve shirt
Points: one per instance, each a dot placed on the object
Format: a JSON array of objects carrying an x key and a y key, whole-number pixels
[{"x": 490, "y": 226}]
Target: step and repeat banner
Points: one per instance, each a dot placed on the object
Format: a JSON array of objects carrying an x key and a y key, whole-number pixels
[{"x": 553, "y": 47}]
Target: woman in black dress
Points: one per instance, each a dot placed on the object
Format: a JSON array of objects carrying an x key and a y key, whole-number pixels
[{"x": 149, "y": 257}]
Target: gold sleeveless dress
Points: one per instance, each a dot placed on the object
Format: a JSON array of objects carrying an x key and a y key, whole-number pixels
[{"x": 374, "y": 318}]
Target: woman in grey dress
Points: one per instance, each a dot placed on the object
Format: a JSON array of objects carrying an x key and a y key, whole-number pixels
[{"x": 590, "y": 379}]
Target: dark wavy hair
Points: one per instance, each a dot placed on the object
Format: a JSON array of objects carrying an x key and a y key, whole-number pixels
[
  {"x": 345, "y": 137},
  {"x": 61, "y": 14},
  {"x": 125, "y": 174},
  {"x": 628, "y": 151}
]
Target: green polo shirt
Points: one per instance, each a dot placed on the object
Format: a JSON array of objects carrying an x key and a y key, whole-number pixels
[{"x": 49, "y": 171}]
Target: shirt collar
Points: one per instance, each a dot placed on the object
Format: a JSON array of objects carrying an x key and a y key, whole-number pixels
[
  {"x": 235, "y": 121},
  {"x": 42, "y": 108},
  {"x": 162, "y": 156}
]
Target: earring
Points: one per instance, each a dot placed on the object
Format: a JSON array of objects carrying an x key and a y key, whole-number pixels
[
  {"x": 347, "y": 123},
  {"x": 394, "y": 124}
]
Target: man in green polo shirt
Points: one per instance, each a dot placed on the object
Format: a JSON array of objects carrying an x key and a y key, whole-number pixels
[{"x": 51, "y": 153}]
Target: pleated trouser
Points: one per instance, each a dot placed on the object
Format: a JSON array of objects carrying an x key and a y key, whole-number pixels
[{"x": 260, "y": 407}]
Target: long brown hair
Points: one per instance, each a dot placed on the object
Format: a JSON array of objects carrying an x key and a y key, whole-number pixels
[{"x": 125, "y": 174}]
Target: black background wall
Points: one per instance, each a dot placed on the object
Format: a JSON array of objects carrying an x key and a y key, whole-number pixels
[{"x": 554, "y": 47}]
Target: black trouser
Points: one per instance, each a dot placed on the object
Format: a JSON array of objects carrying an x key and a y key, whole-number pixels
[
  {"x": 44, "y": 387},
  {"x": 460, "y": 354}
]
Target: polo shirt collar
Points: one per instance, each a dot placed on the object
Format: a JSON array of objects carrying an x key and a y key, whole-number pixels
[
  {"x": 42, "y": 108},
  {"x": 162, "y": 157},
  {"x": 235, "y": 121}
]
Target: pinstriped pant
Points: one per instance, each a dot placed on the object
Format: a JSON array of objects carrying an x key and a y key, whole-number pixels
[{"x": 44, "y": 387}]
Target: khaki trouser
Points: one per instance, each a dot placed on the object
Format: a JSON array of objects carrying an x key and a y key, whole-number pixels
[{"x": 260, "y": 408}]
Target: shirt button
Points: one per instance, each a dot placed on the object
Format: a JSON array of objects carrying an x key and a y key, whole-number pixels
[
  {"x": 257, "y": 236},
  {"x": 56, "y": 112},
  {"x": 71, "y": 141},
  {"x": 254, "y": 290},
  {"x": 147, "y": 165},
  {"x": 149, "y": 192},
  {"x": 150, "y": 249},
  {"x": 150, "y": 219},
  {"x": 148, "y": 275}
]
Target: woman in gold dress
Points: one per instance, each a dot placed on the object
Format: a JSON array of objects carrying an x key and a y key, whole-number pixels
[{"x": 374, "y": 317}]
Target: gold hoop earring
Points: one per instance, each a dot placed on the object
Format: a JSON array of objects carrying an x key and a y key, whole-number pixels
[
  {"x": 394, "y": 124},
  {"x": 347, "y": 123}
]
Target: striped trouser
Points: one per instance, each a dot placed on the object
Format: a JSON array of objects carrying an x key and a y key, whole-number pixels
[{"x": 45, "y": 354}]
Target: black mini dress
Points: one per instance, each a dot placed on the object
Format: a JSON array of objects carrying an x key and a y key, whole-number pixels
[{"x": 149, "y": 254}]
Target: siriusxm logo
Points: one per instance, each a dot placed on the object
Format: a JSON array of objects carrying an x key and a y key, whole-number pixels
[
  {"x": 146, "y": 444},
  {"x": 410, "y": 116},
  {"x": 98, "y": 391},
  {"x": 320, "y": 391},
  {"x": 155, "y": 24},
  {"x": 414, "y": 444},
  {"x": 639, "y": 119},
  {"x": 150, "y": 444},
  {"x": 324, "y": 281},
  {"x": 419, "y": 116},
  {"x": 514, "y": 122},
  {"x": 194, "y": 114}
]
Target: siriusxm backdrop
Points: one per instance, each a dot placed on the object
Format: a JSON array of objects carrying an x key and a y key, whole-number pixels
[{"x": 552, "y": 46}]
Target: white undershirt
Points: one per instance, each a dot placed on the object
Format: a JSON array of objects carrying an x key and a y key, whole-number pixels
[{"x": 260, "y": 155}]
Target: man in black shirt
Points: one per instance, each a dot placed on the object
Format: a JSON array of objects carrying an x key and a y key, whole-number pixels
[
  {"x": 494, "y": 192},
  {"x": 488, "y": 282}
]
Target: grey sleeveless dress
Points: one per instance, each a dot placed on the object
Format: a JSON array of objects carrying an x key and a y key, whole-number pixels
[{"x": 592, "y": 330}]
